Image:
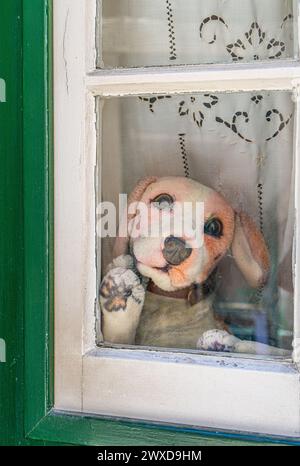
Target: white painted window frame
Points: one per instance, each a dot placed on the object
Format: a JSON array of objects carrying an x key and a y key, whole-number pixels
[{"x": 212, "y": 391}]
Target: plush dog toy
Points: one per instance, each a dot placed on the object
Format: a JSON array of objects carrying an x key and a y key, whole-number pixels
[{"x": 159, "y": 292}]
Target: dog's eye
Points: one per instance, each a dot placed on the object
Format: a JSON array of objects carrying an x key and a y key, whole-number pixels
[
  {"x": 163, "y": 202},
  {"x": 214, "y": 227}
]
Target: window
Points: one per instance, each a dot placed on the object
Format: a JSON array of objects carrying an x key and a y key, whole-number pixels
[
  {"x": 208, "y": 92},
  {"x": 137, "y": 33}
]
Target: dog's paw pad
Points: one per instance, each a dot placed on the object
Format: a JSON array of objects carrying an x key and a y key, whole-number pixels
[{"x": 118, "y": 287}]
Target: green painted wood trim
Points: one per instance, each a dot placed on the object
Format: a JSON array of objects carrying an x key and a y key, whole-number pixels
[
  {"x": 42, "y": 424},
  {"x": 85, "y": 430},
  {"x": 37, "y": 195},
  {"x": 11, "y": 221}
]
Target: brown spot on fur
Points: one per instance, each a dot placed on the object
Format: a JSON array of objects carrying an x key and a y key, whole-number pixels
[
  {"x": 216, "y": 248},
  {"x": 116, "y": 304},
  {"x": 121, "y": 243},
  {"x": 257, "y": 245},
  {"x": 106, "y": 288},
  {"x": 116, "y": 297}
]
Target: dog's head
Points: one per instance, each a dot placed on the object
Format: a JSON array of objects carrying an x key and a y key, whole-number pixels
[{"x": 174, "y": 262}]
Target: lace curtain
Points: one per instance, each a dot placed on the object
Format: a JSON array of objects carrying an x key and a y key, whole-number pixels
[
  {"x": 162, "y": 32},
  {"x": 240, "y": 144}
]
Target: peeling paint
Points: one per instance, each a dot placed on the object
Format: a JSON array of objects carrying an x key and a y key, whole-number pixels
[{"x": 64, "y": 50}]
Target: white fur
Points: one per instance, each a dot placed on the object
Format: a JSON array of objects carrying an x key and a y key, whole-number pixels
[
  {"x": 220, "y": 340},
  {"x": 120, "y": 326}
]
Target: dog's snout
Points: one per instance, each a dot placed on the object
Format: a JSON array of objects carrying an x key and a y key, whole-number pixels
[{"x": 175, "y": 250}]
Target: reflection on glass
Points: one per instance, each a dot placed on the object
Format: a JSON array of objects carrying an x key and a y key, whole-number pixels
[
  {"x": 235, "y": 291},
  {"x": 136, "y": 33}
]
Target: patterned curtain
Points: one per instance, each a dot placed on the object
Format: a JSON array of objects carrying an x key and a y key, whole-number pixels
[{"x": 240, "y": 144}]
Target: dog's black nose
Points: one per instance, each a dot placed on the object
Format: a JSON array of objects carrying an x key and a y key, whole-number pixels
[{"x": 175, "y": 250}]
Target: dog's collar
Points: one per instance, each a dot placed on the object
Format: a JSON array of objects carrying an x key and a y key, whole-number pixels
[
  {"x": 178, "y": 294},
  {"x": 193, "y": 294}
]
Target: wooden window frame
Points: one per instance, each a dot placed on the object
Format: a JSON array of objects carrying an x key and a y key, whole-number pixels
[{"x": 61, "y": 414}]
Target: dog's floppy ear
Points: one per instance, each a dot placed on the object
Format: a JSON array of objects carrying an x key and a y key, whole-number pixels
[
  {"x": 250, "y": 251},
  {"x": 121, "y": 243}
]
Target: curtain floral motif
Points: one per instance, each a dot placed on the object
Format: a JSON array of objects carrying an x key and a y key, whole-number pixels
[
  {"x": 196, "y": 107},
  {"x": 253, "y": 45},
  {"x": 140, "y": 33}
]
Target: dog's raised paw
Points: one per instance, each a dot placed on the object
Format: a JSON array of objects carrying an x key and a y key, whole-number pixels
[
  {"x": 120, "y": 287},
  {"x": 124, "y": 261}
]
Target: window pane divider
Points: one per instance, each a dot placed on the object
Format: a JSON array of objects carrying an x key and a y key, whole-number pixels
[{"x": 214, "y": 78}]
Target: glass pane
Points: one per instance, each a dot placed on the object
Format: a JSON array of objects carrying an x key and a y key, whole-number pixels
[
  {"x": 136, "y": 33},
  {"x": 238, "y": 149}
]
